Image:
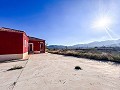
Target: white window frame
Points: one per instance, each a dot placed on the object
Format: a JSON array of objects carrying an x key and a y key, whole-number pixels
[{"x": 25, "y": 43}]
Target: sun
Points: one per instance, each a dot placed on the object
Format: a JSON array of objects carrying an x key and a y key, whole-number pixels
[{"x": 102, "y": 23}]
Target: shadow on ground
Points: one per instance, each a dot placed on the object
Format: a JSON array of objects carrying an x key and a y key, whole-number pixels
[{"x": 9, "y": 61}]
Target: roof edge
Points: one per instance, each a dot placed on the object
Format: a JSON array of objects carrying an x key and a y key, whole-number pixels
[
  {"x": 12, "y": 30},
  {"x": 34, "y": 38}
]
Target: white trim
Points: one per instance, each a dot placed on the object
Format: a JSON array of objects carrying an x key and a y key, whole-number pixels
[
  {"x": 25, "y": 55},
  {"x": 36, "y": 52},
  {"x": 25, "y": 43},
  {"x": 32, "y": 46},
  {"x": 13, "y": 56},
  {"x": 41, "y": 44}
]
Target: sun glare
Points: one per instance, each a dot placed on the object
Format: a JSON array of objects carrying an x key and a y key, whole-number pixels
[{"x": 102, "y": 23}]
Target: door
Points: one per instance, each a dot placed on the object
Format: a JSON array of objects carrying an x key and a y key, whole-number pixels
[
  {"x": 41, "y": 47},
  {"x": 30, "y": 47}
]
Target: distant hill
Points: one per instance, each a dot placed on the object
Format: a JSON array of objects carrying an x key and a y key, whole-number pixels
[
  {"x": 56, "y": 47},
  {"x": 111, "y": 43},
  {"x": 107, "y": 43}
]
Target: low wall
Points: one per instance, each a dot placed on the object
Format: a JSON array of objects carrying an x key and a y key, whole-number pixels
[{"x": 13, "y": 56}]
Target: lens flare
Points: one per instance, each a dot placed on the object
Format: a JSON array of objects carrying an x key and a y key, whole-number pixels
[{"x": 102, "y": 23}]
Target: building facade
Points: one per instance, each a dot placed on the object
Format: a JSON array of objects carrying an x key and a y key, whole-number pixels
[
  {"x": 15, "y": 44},
  {"x": 36, "y": 45}
]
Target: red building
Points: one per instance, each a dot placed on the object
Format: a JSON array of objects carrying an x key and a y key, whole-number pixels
[
  {"x": 15, "y": 44},
  {"x": 36, "y": 45}
]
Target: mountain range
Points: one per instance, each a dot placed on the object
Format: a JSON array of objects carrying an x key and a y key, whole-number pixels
[{"x": 107, "y": 43}]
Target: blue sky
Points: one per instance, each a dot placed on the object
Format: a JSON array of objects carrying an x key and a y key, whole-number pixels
[{"x": 61, "y": 22}]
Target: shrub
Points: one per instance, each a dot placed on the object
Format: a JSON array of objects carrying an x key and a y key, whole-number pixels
[
  {"x": 78, "y": 68},
  {"x": 96, "y": 55},
  {"x": 15, "y": 68}
]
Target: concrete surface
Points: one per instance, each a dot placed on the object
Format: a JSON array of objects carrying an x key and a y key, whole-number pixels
[{"x": 56, "y": 72}]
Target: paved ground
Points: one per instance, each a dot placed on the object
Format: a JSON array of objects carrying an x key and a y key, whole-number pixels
[{"x": 56, "y": 72}]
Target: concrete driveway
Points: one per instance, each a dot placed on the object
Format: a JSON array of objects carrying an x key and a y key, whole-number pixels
[{"x": 56, "y": 72}]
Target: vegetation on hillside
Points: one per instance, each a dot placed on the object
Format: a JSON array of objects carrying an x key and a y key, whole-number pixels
[{"x": 90, "y": 54}]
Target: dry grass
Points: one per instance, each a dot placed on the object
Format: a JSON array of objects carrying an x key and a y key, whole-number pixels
[
  {"x": 15, "y": 68},
  {"x": 89, "y": 54}
]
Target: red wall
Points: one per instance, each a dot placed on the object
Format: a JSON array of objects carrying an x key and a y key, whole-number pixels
[
  {"x": 36, "y": 45},
  {"x": 14, "y": 43},
  {"x": 25, "y": 44},
  {"x": 11, "y": 42}
]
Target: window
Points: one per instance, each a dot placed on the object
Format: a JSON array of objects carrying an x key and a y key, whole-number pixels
[{"x": 25, "y": 43}]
